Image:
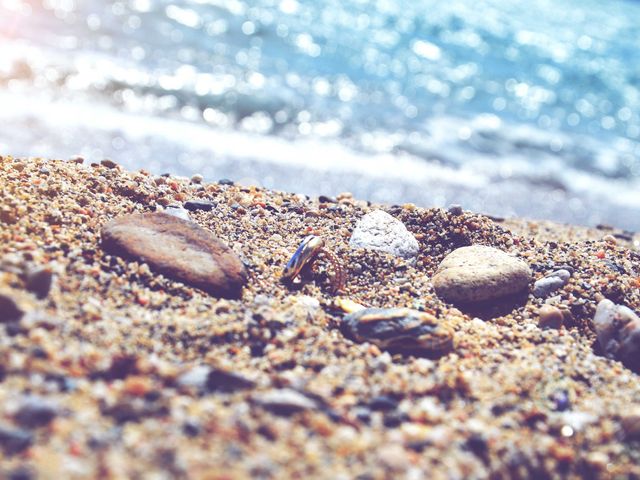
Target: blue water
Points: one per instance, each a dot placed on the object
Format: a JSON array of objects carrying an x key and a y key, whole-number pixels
[{"x": 513, "y": 107}]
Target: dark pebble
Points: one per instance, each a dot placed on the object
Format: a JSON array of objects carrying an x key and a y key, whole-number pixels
[
  {"x": 325, "y": 199},
  {"x": 193, "y": 205},
  {"x": 108, "y": 163},
  {"x": 394, "y": 419},
  {"x": 477, "y": 444},
  {"x": 39, "y": 280},
  {"x": 9, "y": 309},
  {"x": 363, "y": 414},
  {"x": 628, "y": 236},
  {"x": 225, "y": 181},
  {"x": 36, "y": 412},
  {"x": 191, "y": 429},
  {"x": 135, "y": 410},
  {"x": 383, "y": 403},
  {"x": 21, "y": 473},
  {"x": 222, "y": 381},
  {"x": 120, "y": 368},
  {"x": 13, "y": 440},
  {"x": 455, "y": 209}
]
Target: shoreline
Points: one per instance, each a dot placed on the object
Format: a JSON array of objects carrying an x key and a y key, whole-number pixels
[{"x": 120, "y": 358}]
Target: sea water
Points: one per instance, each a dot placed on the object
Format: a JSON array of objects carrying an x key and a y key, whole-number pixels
[{"x": 509, "y": 107}]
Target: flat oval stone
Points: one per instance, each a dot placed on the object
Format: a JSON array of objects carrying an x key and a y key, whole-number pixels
[
  {"x": 478, "y": 273},
  {"x": 401, "y": 330},
  {"x": 179, "y": 249}
]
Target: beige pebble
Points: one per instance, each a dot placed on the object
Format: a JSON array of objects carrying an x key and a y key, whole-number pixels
[
  {"x": 478, "y": 273},
  {"x": 550, "y": 317}
]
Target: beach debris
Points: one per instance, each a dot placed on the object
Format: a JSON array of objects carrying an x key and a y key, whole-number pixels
[
  {"x": 550, "y": 317},
  {"x": 550, "y": 283},
  {"x": 309, "y": 250},
  {"x": 400, "y": 330},
  {"x": 618, "y": 330},
  {"x": 478, "y": 273},
  {"x": 380, "y": 231},
  {"x": 285, "y": 401},
  {"x": 179, "y": 249}
]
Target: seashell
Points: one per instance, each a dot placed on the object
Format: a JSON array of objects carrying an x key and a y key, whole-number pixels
[{"x": 400, "y": 330}]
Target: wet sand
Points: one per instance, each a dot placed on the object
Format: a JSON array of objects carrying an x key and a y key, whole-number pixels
[{"x": 99, "y": 364}]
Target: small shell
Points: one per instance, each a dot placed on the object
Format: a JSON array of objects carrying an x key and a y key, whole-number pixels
[
  {"x": 400, "y": 330},
  {"x": 307, "y": 250}
]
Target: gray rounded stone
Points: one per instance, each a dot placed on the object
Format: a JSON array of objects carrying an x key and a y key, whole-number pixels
[
  {"x": 552, "y": 282},
  {"x": 618, "y": 330},
  {"x": 380, "y": 231},
  {"x": 478, "y": 273}
]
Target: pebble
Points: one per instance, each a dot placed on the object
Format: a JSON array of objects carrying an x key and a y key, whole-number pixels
[
  {"x": 455, "y": 209},
  {"x": 10, "y": 311},
  {"x": 478, "y": 273},
  {"x": 197, "y": 178},
  {"x": 205, "y": 378},
  {"x": 178, "y": 212},
  {"x": 178, "y": 249},
  {"x": 380, "y": 231},
  {"x": 550, "y": 317},
  {"x": 35, "y": 412},
  {"x": 14, "y": 440},
  {"x": 285, "y": 401},
  {"x": 618, "y": 330},
  {"x": 108, "y": 163},
  {"x": 552, "y": 282},
  {"x": 194, "y": 205},
  {"x": 401, "y": 330},
  {"x": 630, "y": 422},
  {"x": 76, "y": 159},
  {"x": 39, "y": 280}
]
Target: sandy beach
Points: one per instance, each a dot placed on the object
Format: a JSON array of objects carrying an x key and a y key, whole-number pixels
[{"x": 116, "y": 371}]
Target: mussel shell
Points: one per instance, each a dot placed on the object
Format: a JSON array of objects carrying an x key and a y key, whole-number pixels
[{"x": 400, "y": 330}]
